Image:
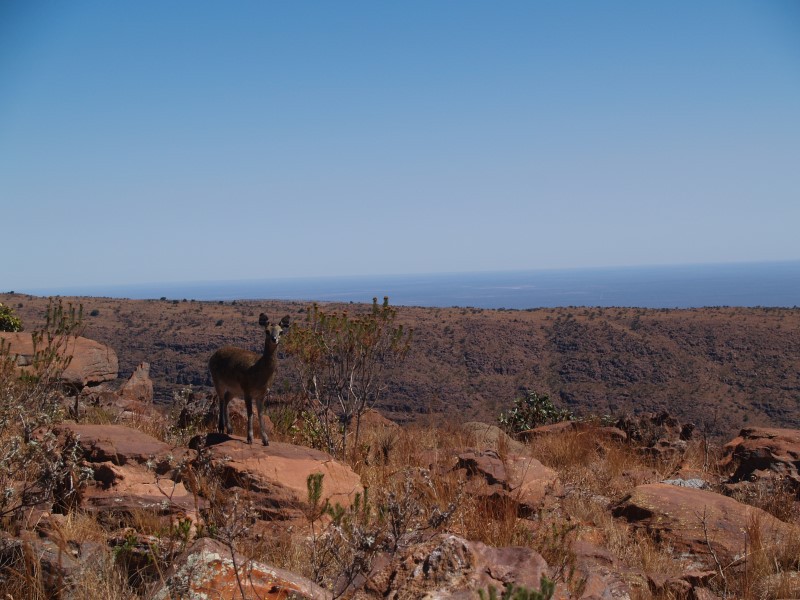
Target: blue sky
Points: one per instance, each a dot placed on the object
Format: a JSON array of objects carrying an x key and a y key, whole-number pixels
[{"x": 189, "y": 141}]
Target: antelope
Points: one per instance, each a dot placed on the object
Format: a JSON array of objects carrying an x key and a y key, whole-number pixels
[{"x": 239, "y": 373}]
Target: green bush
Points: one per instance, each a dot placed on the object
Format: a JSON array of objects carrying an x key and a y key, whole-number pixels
[
  {"x": 546, "y": 590},
  {"x": 8, "y": 320},
  {"x": 532, "y": 411}
]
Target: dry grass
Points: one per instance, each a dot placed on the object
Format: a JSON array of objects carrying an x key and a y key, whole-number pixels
[{"x": 412, "y": 469}]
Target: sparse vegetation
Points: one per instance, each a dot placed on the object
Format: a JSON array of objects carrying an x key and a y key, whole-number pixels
[
  {"x": 342, "y": 360},
  {"x": 531, "y": 411},
  {"x": 8, "y": 320}
]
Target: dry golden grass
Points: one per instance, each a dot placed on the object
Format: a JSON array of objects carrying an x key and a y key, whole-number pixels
[{"x": 414, "y": 467}]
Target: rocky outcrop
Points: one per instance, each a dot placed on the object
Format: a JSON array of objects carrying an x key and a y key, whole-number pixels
[
  {"x": 209, "y": 569},
  {"x": 491, "y": 437},
  {"x": 276, "y": 476},
  {"x": 92, "y": 362},
  {"x": 131, "y": 471},
  {"x": 139, "y": 386},
  {"x": 59, "y": 564},
  {"x": 520, "y": 480},
  {"x": 448, "y": 566},
  {"x": 658, "y": 435},
  {"x": 700, "y": 522},
  {"x": 125, "y": 446},
  {"x": 761, "y": 453},
  {"x": 600, "y": 573}
]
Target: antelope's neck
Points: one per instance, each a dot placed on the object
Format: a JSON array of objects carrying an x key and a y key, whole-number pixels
[{"x": 269, "y": 349}]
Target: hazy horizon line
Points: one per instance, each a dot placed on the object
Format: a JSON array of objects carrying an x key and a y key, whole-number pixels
[{"x": 74, "y": 289}]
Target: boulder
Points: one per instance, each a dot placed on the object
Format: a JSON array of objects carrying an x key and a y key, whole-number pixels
[
  {"x": 521, "y": 480},
  {"x": 658, "y": 436},
  {"x": 276, "y": 475},
  {"x": 59, "y": 566},
  {"x": 599, "y": 571},
  {"x": 448, "y": 566},
  {"x": 131, "y": 471},
  {"x": 208, "y": 569},
  {"x": 647, "y": 429},
  {"x": 696, "y": 521},
  {"x": 764, "y": 453},
  {"x": 139, "y": 386},
  {"x": 92, "y": 362},
  {"x": 121, "y": 446},
  {"x": 125, "y": 490},
  {"x": 491, "y": 437}
]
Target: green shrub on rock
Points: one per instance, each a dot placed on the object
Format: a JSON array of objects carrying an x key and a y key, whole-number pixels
[{"x": 8, "y": 320}]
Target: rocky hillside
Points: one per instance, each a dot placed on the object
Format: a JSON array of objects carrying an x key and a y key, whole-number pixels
[
  {"x": 722, "y": 368},
  {"x": 576, "y": 509}
]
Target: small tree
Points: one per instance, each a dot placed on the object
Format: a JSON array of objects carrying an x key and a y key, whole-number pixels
[
  {"x": 531, "y": 411},
  {"x": 342, "y": 360},
  {"x": 8, "y": 320}
]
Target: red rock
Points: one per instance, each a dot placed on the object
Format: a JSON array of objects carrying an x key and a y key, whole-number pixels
[
  {"x": 520, "y": 479},
  {"x": 278, "y": 474},
  {"x": 491, "y": 437},
  {"x": 131, "y": 488},
  {"x": 701, "y": 593},
  {"x": 684, "y": 516},
  {"x": 132, "y": 471},
  {"x": 448, "y": 566},
  {"x": 139, "y": 386},
  {"x": 759, "y": 451},
  {"x": 373, "y": 420},
  {"x": 551, "y": 429},
  {"x": 206, "y": 570},
  {"x": 120, "y": 445},
  {"x": 58, "y": 566},
  {"x": 599, "y": 571},
  {"x": 92, "y": 362}
]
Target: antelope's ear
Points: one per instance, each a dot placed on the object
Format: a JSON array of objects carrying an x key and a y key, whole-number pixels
[
  {"x": 285, "y": 322},
  {"x": 263, "y": 320}
]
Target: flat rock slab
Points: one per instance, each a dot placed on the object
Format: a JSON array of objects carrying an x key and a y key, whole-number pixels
[
  {"x": 92, "y": 362},
  {"x": 121, "y": 445},
  {"x": 278, "y": 474},
  {"x": 131, "y": 470},
  {"x": 207, "y": 570},
  {"x": 684, "y": 516},
  {"x": 135, "y": 488}
]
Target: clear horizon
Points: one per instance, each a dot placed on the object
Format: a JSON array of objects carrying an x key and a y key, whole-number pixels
[{"x": 150, "y": 142}]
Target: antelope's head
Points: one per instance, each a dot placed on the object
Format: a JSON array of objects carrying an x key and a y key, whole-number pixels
[{"x": 274, "y": 330}]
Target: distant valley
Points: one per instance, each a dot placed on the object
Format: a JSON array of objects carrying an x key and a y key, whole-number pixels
[{"x": 720, "y": 368}]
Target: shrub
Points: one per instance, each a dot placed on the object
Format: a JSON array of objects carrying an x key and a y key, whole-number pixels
[
  {"x": 8, "y": 320},
  {"x": 531, "y": 411},
  {"x": 513, "y": 592},
  {"x": 35, "y": 466},
  {"x": 342, "y": 360}
]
